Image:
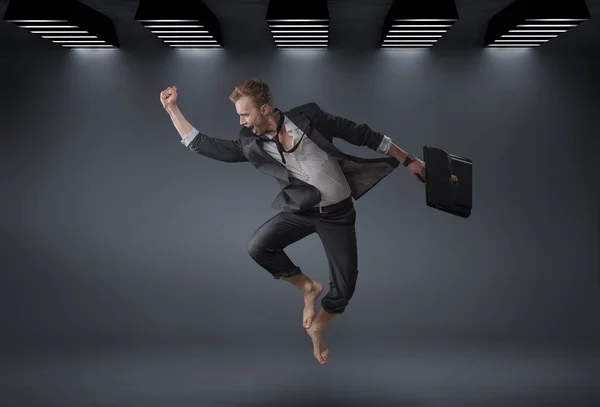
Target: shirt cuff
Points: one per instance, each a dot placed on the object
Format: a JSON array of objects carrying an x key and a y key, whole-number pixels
[
  {"x": 189, "y": 137},
  {"x": 385, "y": 145}
]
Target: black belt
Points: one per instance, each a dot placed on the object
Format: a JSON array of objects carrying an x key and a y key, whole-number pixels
[{"x": 332, "y": 207}]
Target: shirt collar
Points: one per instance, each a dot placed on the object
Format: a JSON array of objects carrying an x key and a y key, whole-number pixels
[{"x": 289, "y": 126}]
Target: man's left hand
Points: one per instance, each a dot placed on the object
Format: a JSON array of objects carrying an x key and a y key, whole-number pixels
[{"x": 416, "y": 168}]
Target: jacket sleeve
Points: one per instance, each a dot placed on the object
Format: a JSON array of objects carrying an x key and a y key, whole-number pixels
[
  {"x": 357, "y": 134},
  {"x": 218, "y": 149}
]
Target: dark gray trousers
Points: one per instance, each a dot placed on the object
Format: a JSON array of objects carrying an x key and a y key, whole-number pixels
[{"x": 337, "y": 233}]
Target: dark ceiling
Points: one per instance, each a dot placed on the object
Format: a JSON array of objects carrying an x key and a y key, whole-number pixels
[{"x": 354, "y": 24}]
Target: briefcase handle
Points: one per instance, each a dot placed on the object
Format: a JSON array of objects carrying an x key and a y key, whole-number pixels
[{"x": 453, "y": 178}]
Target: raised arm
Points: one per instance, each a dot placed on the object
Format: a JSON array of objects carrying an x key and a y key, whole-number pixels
[{"x": 217, "y": 149}]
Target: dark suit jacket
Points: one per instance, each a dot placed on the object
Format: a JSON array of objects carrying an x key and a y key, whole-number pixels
[{"x": 296, "y": 195}]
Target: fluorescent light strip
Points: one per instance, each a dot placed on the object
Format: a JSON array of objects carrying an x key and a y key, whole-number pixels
[
  {"x": 85, "y": 46},
  {"x": 425, "y": 19},
  {"x": 413, "y": 36},
  {"x": 526, "y": 40},
  {"x": 60, "y": 32},
  {"x": 299, "y": 32},
  {"x": 556, "y": 19},
  {"x": 528, "y": 36},
  {"x": 179, "y": 32},
  {"x": 417, "y": 31},
  {"x": 547, "y": 25},
  {"x": 400, "y": 41},
  {"x": 407, "y": 45},
  {"x": 186, "y": 36},
  {"x": 298, "y": 26},
  {"x": 422, "y": 25},
  {"x": 537, "y": 31},
  {"x": 78, "y": 41},
  {"x": 196, "y": 41},
  {"x": 69, "y": 36},
  {"x": 169, "y": 21},
  {"x": 301, "y": 46},
  {"x": 307, "y": 41},
  {"x": 514, "y": 45},
  {"x": 38, "y": 21},
  {"x": 48, "y": 26},
  {"x": 301, "y": 20},
  {"x": 300, "y": 36},
  {"x": 194, "y": 46},
  {"x": 174, "y": 26}
]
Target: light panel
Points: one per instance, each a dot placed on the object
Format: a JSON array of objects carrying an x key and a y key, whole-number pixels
[
  {"x": 531, "y": 23},
  {"x": 67, "y": 23},
  {"x": 417, "y": 23},
  {"x": 299, "y": 23},
  {"x": 182, "y": 24}
]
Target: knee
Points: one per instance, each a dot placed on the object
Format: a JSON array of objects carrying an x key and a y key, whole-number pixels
[{"x": 255, "y": 247}]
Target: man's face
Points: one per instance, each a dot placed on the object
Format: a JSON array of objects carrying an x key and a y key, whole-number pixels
[{"x": 250, "y": 116}]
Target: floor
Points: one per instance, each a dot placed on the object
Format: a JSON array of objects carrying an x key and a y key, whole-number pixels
[{"x": 224, "y": 375}]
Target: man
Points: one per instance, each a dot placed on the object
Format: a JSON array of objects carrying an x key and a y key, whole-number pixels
[{"x": 318, "y": 183}]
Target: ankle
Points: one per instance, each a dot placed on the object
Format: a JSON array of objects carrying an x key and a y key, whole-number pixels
[
  {"x": 323, "y": 318},
  {"x": 301, "y": 281},
  {"x": 308, "y": 286}
]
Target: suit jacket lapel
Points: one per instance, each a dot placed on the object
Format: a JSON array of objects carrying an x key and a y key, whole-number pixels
[
  {"x": 269, "y": 165},
  {"x": 303, "y": 121},
  {"x": 263, "y": 160}
]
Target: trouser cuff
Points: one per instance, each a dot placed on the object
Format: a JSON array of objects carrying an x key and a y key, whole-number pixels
[
  {"x": 332, "y": 311},
  {"x": 287, "y": 273}
]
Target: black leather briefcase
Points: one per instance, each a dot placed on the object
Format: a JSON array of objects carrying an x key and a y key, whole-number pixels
[{"x": 449, "y": 181}]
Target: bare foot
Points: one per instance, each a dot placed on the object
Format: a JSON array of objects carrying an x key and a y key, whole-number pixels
[
  {"x": 319, "y": 350},
  {"x": 310, "y": 299}
]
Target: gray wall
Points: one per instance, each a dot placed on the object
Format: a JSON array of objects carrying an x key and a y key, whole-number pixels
[{"x": 114, "y": 231}]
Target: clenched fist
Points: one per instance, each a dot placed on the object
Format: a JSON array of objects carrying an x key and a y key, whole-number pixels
[{"x": 168, "y": 97}]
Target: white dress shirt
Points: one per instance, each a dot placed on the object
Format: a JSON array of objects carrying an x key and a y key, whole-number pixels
[{"x": 309, "y": 163}]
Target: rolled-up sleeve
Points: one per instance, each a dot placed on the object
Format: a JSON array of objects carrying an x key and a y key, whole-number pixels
[
  {"x": 385, "y": 145},
  {"x": 189, "y": 137}
]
